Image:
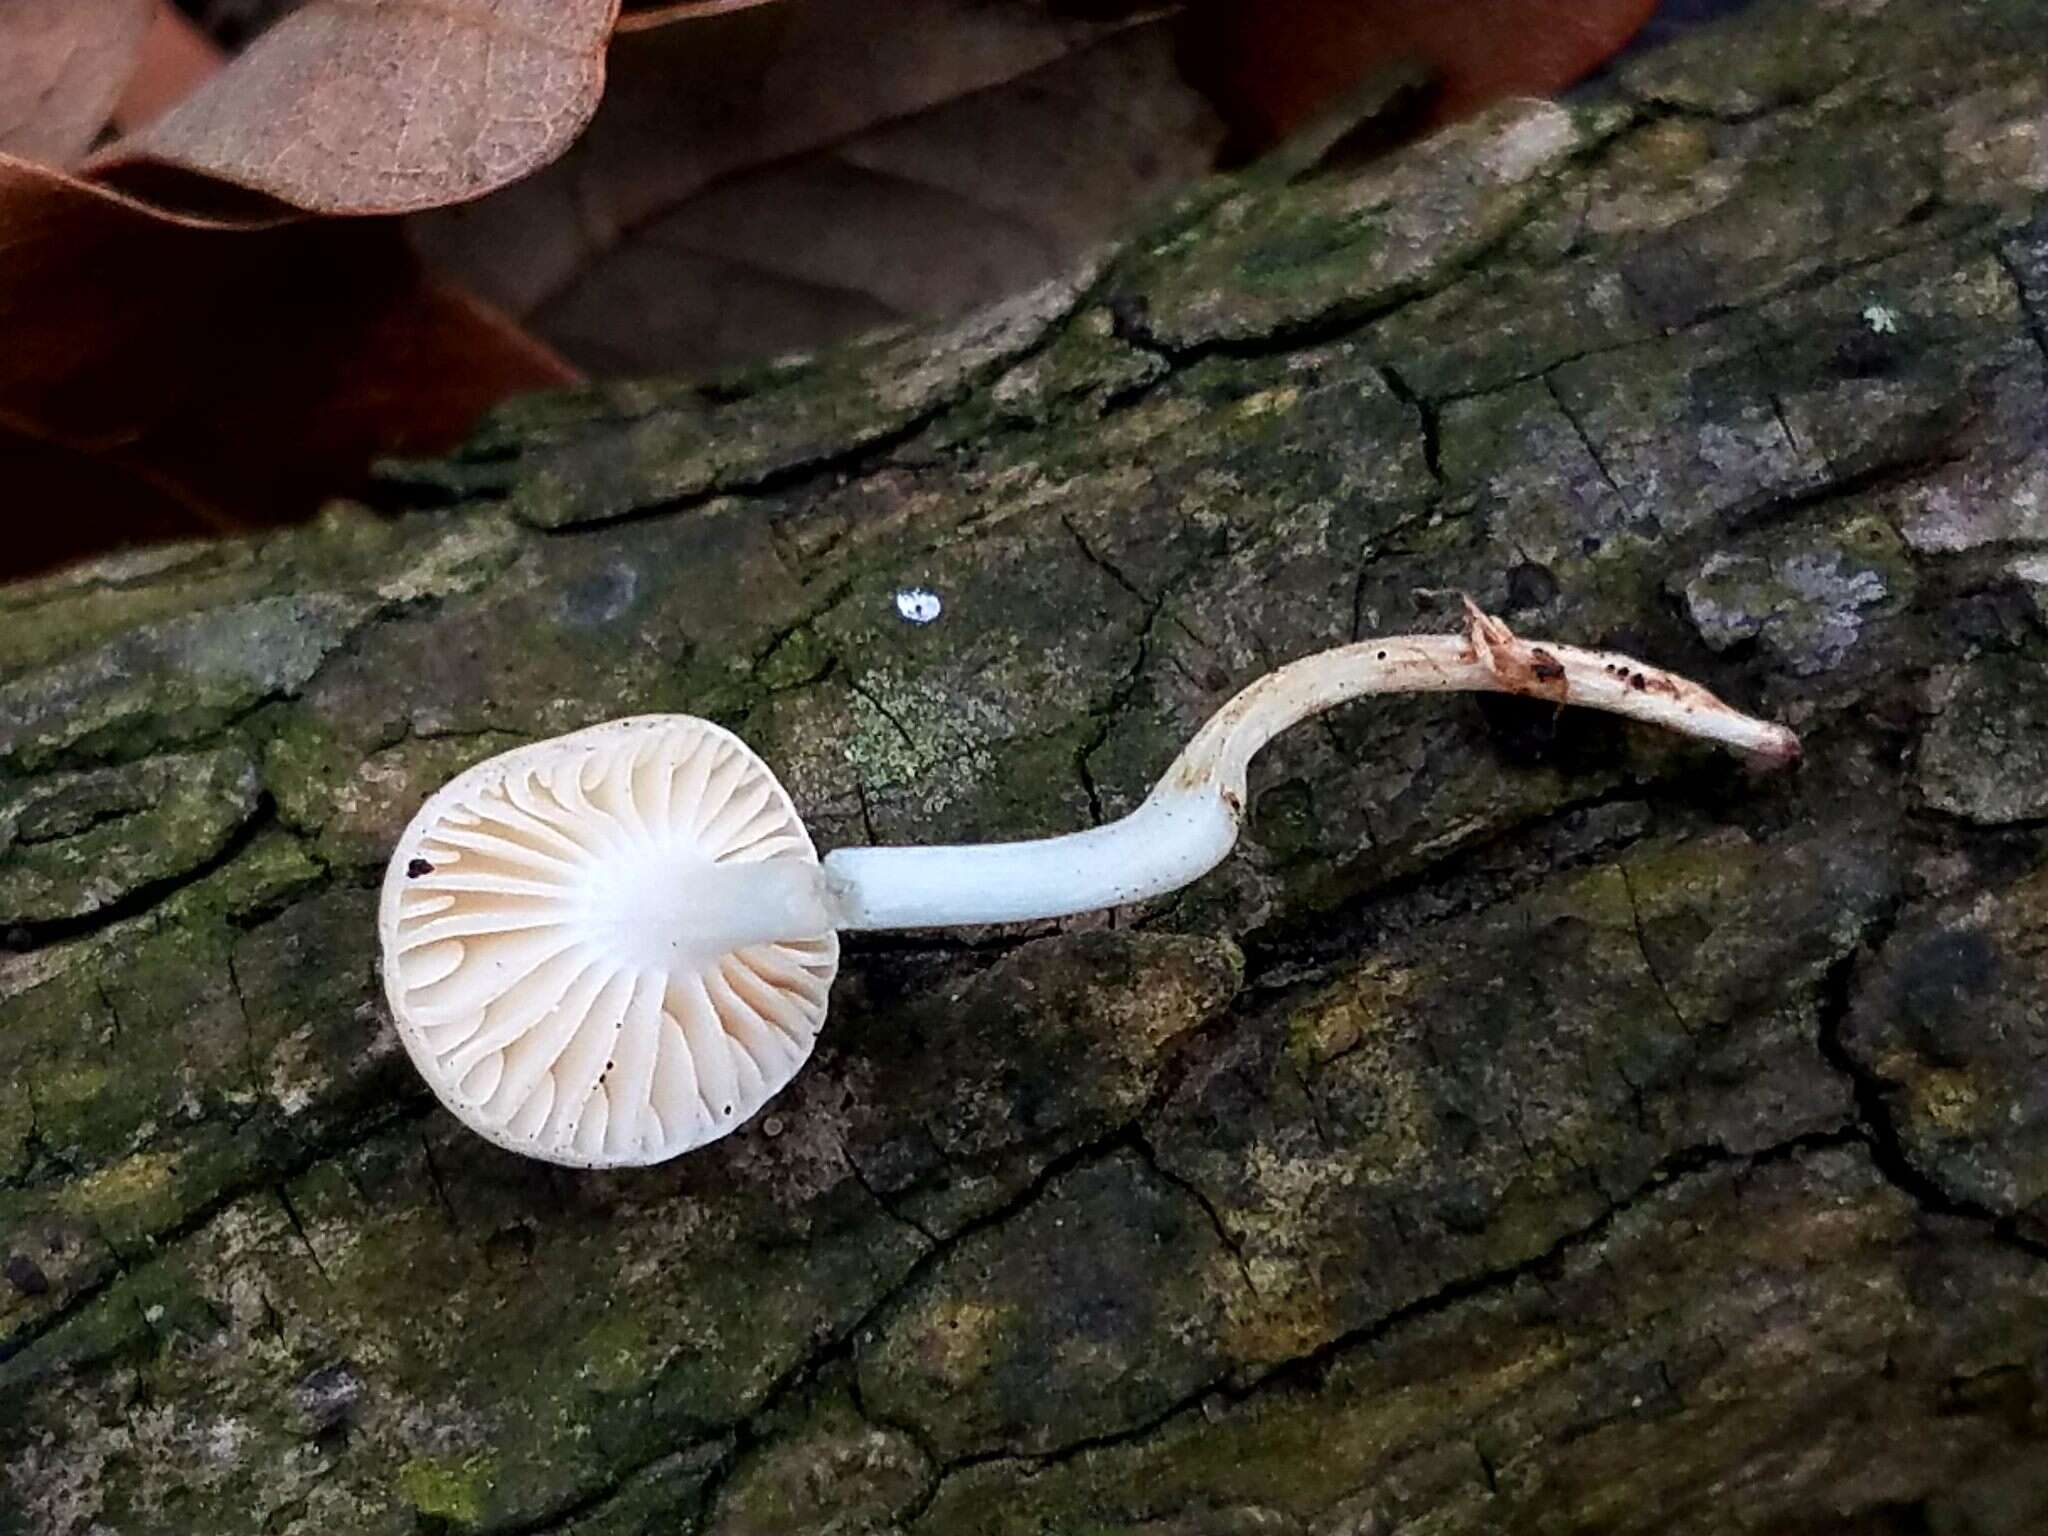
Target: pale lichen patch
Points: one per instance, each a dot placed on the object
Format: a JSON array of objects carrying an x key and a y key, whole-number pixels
[{"x": 1808, "y": 599}]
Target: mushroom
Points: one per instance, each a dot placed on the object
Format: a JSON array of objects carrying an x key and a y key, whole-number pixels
[{"x": 615, "y": 946}]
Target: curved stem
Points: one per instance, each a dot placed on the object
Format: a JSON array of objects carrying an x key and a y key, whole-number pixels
[{"x": 1190, "y": 820}]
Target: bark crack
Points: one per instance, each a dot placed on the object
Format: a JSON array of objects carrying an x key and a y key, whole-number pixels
[
  {"x": 160, "y": 1241},
  {"x": 2035, "y": 316},
  {"x": 148, "y": 897},
  {"x": 843, "y": 1345},
  {"x": 1878, "y": 1130},
  {"x": 860, "y": 1177},
  {"x": 1101, "y": 563},
  {"x": 1426, "y": 417},
  {"x": 1150, "y": 1156},
  {"x": 1103, "y": 718},
  {"x": 437, "y": 1183},
  {"x": 291, "y": 1215},
  {"x": 1306, "y": 1369},
  {"x": 1586, "y": 441},
  {"x": 1635, "y": 913}
]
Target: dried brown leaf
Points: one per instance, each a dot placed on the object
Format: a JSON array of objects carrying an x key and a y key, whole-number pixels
[
  {"x": 639, "y": 18},
  {"x": 63, "y": 64},
  {"x": 234, "y": 375},
  {"x": 772, "y": 180},
  {"x": 386, "y": 106},
  {"x": 1272, "y": 65}
]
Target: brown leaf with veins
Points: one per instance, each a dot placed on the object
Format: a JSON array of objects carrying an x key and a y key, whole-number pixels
[
  {"x": 167, "y": 373},
  {"x": 773, "y": 177},
  {"x": 777, "y": 178},
  {"x": 63, "y": 64},
  {"x": 385, "y": 106}
]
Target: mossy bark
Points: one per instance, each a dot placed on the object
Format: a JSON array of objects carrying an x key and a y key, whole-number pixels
[{"x": 1539, "y": 1125}]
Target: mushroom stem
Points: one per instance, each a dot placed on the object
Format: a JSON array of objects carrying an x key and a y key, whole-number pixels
[{"x": 1190, "y": 820}]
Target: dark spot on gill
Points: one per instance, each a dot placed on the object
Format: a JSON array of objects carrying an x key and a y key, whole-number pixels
[{"x": 417, "y": 868}]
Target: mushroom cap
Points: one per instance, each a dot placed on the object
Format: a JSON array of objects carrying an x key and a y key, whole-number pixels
[{"x": 610, "y": 947}]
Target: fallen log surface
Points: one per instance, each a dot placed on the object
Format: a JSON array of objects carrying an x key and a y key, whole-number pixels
[{"x": 1539, "y": 1124}]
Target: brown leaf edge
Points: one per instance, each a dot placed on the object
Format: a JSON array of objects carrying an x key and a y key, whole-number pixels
[
  {"x": 1271, "y": 66},
  {"x": 326, "y": 111},
  {"x": 63, "y": 64},
  {"x": 645, "y": 18}
]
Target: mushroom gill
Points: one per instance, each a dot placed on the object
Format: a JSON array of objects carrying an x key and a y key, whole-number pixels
[{"x": 609, "y": 948}]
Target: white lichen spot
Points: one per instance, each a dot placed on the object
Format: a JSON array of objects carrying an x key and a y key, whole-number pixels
[
  {"x": 1809, "y": 605},
  {"x": 1835, "y": 597},
  {"x": 1530, "y": 138},
  {"x": 1882, "y": 319},
  {"x": 58, "y": 1483},
  {"x": 458, "y": 562},
  {"x": 2005, "y": 506},
  {"x": 224, "y": 1441},
  {"x": 1996, "y": 144},
  {"x": 153, "y": 1313},
  {"x": 1270, "y": 402},
  {"x": 930, "y": 363},
  {"x": 296, "y": 1079},
  {"x": 919, "y": 745},
  {"x": 2031, "y": 571},
  {"x": 918, "y": 605}
]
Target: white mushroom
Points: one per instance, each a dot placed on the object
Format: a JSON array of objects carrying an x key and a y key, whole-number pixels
[
  {"x": 615, "y": 946},
  {"x": 610, "y": 947}
]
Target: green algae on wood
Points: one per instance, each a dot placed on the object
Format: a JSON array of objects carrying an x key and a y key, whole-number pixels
[
  {"x": 1545, "y": 1128},
  {"x": 72, "y": 844}
]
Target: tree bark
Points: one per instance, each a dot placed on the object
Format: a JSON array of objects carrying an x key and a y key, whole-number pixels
[{"x": 1538, "y": 1125}]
